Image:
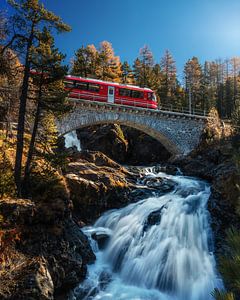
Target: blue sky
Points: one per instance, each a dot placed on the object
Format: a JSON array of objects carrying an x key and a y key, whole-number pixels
[{"x": 208, "y": 29}]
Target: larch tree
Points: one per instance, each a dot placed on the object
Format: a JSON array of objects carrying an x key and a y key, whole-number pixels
[
  {"x": 28, "y": 21},
  {"x": 147, "y": 63},
  {"x": 208, "y": 85},
  {"x": 109, "y": 64},
  {"x": 156, "y": 81},
  {"x": 235, "y": 64},
  {"x": 193, "y": 75},
  {"x": 137, "y": 69},
  {"x": 219, "y": 103},
  {"x": 168, "y": 78}
]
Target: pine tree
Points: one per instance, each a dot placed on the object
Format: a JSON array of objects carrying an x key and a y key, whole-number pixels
[
  {"x": 3, "y": 26},
  {"x": 86, "y": 62},
  {"x": 229, "y": 266},
  {"x": 50, "y": 95},
  {"x": 79, "y": 67},
  {"x": 28, "y": 21},
  {"x": 179, "y": 97},
  {"x": 126, "y": 73}
]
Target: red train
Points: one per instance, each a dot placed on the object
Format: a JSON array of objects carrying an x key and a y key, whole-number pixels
[{"x": 110, "y": 92}]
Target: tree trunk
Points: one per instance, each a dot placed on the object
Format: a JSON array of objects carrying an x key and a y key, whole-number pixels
[
  {"x": 31, "y": 150},
  {"x": 21, "y": 119}
]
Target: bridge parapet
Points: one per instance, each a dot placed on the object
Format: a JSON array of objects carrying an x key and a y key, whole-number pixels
[{"x": 135, "y": 110}]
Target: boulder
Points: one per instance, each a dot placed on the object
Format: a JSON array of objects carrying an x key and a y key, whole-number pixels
[
  {"x": 97, "y": 183},
  {"x": 44, "y": 259},
  {"x": 32, "y": 281},
  {"x": 101, "y": 238}
]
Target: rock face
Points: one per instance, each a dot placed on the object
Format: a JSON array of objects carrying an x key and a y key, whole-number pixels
[
  {"x": 123, "y": 144},
  {"x": 97, "y": 183},
  {"x": 143, "y": 149},
  {"x": 108, "y": 139},
  {"x": 46, "y": 259}
]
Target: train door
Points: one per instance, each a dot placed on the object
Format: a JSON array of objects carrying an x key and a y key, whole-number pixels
[{"x": 111, "y": 94}]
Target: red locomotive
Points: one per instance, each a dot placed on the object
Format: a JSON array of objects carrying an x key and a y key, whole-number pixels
[{"x": 110, "y": 92}]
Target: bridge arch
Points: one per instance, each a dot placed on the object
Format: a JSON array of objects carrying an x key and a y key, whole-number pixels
[
  {"x": 168, "y": 144},
  {"x": 178, "y": 133}
]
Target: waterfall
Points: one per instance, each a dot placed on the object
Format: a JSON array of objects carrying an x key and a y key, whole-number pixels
[
  {"x": 159, "y": 248},
  {"x": 72, "y": 140}
]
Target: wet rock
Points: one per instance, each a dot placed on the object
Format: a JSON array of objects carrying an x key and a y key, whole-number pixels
[
  {"x": 141, "y": 193},
  {"x": 101, "y": 239},
  {"x": 161, "y": 184},
  {"x": 167, "y": 168},
  {"x": 87, "y": 292},
  {"x": 154, "y": 218},
  {"x": 104, "y": 280}
]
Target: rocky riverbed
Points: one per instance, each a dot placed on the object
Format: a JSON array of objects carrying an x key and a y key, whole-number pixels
[{"x": 51, "y": 255}]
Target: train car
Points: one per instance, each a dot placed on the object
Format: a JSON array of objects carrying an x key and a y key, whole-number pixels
[{"x": 110, "y": 92}]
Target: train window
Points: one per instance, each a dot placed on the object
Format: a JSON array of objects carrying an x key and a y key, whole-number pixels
[
  {"x": 137, "y": 94},
  {"x": 69, "y": 84},
  {"x": 81, "y": 85},
  {"x": 125, "y": 92},
  {"x": 93, "y": 87}
]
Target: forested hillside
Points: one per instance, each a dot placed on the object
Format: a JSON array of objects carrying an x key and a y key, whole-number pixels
[{"x": 206, "y": 85}]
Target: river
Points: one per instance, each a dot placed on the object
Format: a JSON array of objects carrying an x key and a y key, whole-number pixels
[{"x": 159, "y": 248}]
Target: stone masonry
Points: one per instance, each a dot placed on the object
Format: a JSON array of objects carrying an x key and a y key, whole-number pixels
[{"x": 178, "y": 132}]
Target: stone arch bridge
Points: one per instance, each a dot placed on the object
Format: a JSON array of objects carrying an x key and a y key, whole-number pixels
[{"x": 178, "y": 132}]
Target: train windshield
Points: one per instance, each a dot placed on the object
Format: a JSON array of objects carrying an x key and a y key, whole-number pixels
[{"x": 152, "y": 96}]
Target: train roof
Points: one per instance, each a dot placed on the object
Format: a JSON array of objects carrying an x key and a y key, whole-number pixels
[{"x": 108, "y": 82}]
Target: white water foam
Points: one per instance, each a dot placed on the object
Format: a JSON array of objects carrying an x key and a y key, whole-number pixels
[
  {"x": 169, "y": 259},
  {"x": 72, "y": 140}
]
